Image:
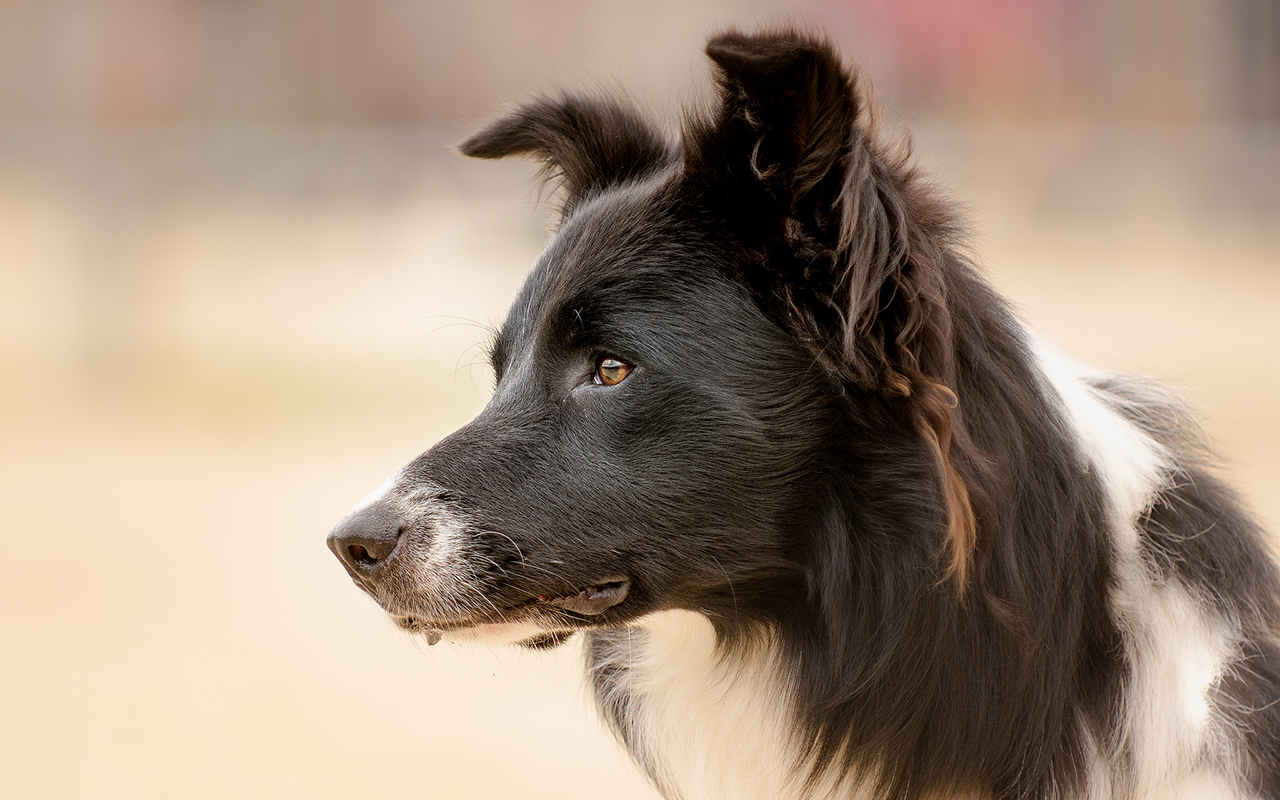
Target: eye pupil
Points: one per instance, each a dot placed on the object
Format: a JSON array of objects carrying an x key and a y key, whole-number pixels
[{"x": 611, "y": 371}]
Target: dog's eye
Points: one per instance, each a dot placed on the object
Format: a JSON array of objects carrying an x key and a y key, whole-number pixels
[{"x": 611, "y": 372}]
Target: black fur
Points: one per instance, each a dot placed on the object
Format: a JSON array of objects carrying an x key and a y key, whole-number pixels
[{"x": 834, "y": 437}]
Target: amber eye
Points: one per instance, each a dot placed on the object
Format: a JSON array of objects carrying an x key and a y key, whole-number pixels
[{"x": 611, "y": 372}]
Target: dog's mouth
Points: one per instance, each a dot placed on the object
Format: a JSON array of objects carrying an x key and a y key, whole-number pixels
[
  {"x": 590, "y": 601},
  {"x": 593, "y": 600}
]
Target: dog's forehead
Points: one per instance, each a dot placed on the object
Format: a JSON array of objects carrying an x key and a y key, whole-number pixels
[
  {"x": 610, "y": 242},
  {"x": 608, "y": 239}
]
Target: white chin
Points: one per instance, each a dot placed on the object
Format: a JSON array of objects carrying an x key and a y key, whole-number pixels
[{"x": 496, "y": 633}]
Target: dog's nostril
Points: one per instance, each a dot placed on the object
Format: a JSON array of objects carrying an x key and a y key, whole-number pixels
[
  {"x": 361, "y": 556},
  {"x": 366, "y": 539}
]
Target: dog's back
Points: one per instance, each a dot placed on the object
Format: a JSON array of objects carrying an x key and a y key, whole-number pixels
[{"x": 833, "y": 522}]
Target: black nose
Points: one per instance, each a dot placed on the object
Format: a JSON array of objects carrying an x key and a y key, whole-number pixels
[{"x": 366, "y": 539}]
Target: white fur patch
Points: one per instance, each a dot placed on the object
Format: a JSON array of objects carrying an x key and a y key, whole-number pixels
[
  {"x": 1178, "y": 646},
  {"x": 718, "y": 727},
  {"x": 444, "y": 582},
  {"x": 496, "y": 633}
]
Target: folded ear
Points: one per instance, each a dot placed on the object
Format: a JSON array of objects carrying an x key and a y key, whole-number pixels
[
  {"x": 846, "y": 248},
  {"x": 586, "y": 144}
]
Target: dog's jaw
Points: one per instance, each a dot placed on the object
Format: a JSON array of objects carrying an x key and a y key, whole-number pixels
[
  {"x": 487, "y": 633},
  {"x": 538, "y": 623}
]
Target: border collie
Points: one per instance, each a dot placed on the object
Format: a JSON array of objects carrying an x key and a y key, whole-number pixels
[{"x": 832, "y": 522}]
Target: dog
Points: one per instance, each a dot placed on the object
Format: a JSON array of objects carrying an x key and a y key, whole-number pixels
[{"x": 832, "y": 521}]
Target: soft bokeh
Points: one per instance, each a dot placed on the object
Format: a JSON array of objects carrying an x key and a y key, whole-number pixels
[{"x": 243, "y": 277}]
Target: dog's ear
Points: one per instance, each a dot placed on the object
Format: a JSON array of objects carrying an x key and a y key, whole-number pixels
[
  {"x": 586, "y": 144},
  {"x": 844, "y": 246},
  {"x": 782, "y": 134}
]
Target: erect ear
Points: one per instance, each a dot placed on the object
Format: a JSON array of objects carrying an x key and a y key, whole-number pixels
[
  {"x": 585, "y": 143},
  {"x": 845, "y": 248},
  {"x": 850, "y": 248},
  {"x": 782, "y": 134}
]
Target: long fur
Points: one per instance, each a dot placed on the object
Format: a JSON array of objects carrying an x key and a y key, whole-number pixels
[{"x": 844, "y": 528}]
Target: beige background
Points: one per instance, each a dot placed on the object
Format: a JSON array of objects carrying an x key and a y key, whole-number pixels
[{"x": 240, "y": 285}]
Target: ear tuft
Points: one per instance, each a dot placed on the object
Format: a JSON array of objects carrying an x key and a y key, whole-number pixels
[{"x": 586, "y": 144}]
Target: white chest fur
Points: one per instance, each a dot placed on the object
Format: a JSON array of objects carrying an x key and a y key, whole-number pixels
[
  {"x": 717, "y": 726},
  {"x": 1179, "y": 745}
]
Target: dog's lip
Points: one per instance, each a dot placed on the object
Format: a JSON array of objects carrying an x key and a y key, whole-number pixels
[
  {"x": 590, "y": 601},
  {"x": 594, "y": 599}
]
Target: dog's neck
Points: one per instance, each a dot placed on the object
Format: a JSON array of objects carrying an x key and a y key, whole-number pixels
[{"x": 704, "y": 721}]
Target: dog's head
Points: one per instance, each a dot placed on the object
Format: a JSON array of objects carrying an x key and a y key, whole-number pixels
[{"x": 715, "y": 325}]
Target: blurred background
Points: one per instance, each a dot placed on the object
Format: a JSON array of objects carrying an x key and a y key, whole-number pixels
[{"x": 244, "y": 277}]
